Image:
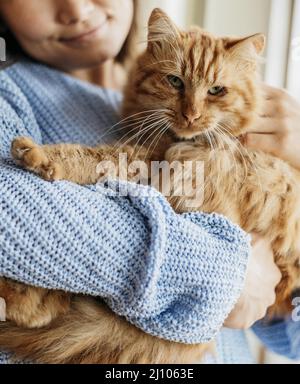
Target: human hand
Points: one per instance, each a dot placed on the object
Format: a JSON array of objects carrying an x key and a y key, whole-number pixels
[
  {"x": 258, "y": 294},
  {"x": 277, "y": 129}
]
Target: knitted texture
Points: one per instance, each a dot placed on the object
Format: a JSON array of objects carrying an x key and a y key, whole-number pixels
[
  {"x": 232, "y": 348},
  {"x": 281, "y": 336},
  {"x": 173, "y": 276}
]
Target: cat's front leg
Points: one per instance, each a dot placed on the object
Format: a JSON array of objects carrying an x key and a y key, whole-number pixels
[
  {"x": 71, "y": 162},
  {"x": 77, "y": 163}
]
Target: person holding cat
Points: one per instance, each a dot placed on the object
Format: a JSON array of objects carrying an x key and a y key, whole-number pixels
[{"x": 63, "y": 236}]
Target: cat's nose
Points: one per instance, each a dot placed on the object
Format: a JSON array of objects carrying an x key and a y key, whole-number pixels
[{"x": 191, "y": 116}]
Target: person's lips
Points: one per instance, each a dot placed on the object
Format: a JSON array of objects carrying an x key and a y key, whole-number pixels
[{"x": 84, "y": 37}]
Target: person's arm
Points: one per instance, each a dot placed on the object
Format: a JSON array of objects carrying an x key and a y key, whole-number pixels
[
  {"x": 277, "y": 131},
  {"x": 177, "y": 277},
  {"x": 258, "y": 294},
  {"x": 281, "y": 336},
  {"x": 165, "y": 274}
]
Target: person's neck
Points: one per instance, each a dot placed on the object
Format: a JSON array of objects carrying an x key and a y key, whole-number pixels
[{"x": 108, "y": 75}]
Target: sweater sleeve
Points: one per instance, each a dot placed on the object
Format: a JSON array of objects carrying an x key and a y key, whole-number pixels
[
  {"x": 174, "y": 276},
  {"x": 281, "y": 336}
]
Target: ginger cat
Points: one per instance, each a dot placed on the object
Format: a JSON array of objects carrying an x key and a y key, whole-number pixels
[{"x": 200, "y": 93}]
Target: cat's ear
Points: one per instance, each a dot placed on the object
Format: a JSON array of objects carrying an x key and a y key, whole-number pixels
[
  {"x": 249, "y": 46},
  {"x": 161, "y": 28}
]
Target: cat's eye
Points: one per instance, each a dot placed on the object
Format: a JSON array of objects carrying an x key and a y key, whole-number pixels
[
  {"x": 176, "y": 82},
  {"x": 217, "y": 91}
]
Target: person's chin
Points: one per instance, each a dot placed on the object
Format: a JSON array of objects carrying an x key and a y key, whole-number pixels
[{"x": 85, "y": 62}]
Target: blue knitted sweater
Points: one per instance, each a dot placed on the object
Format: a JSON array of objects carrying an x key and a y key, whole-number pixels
[{"x": 174, "y": 276}]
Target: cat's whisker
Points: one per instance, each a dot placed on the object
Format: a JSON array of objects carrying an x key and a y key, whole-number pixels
[
  {"x": 140, "y": 127},
  {"x": 132, "y": 132},
  {"x": 218, "y": 136},
  {"x": 143, "y": 132},
  {"x": 234, "y": 142},
  {"x": 216, "y": 149},
  {"x": 138, "y": 114},
  {"x": 155, "y": 133},
  {"x": 207, "y": 136},
  {"x": 122, "y": 143},
  {"x": 154, "y": 127},
  {"x": 214, "y": 139},
  {"x": 231, "y": 151},
  {"x": 243, "y": 151},
  {"x": 164, "y": 131},
  {"x": 254, "y": 166},
  {"x": 129, "y": 132},
  {"x": 116, "y": 129},
  {"x": 161, "y": 131},
  {"x": 135, "y": 117},
  {"x": 137, "y": 125}
]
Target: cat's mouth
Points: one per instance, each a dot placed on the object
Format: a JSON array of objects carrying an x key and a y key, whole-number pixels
[
  {"x": 191, "y": 133},
  {"x": 209, "y": 131},
  {"x": 216, "y": 132},
  {"x": 196, "y": 130},
  {"x": 199, "y": 136}
]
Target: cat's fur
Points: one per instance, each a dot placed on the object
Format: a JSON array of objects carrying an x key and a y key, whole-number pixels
[{"x": 259, "y": 192}]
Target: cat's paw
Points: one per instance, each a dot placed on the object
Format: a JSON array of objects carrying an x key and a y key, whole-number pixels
[{"x": 33, "y": 157}]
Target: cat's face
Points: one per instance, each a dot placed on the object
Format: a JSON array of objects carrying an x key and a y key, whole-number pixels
[{"x": 204, "y": 83}]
